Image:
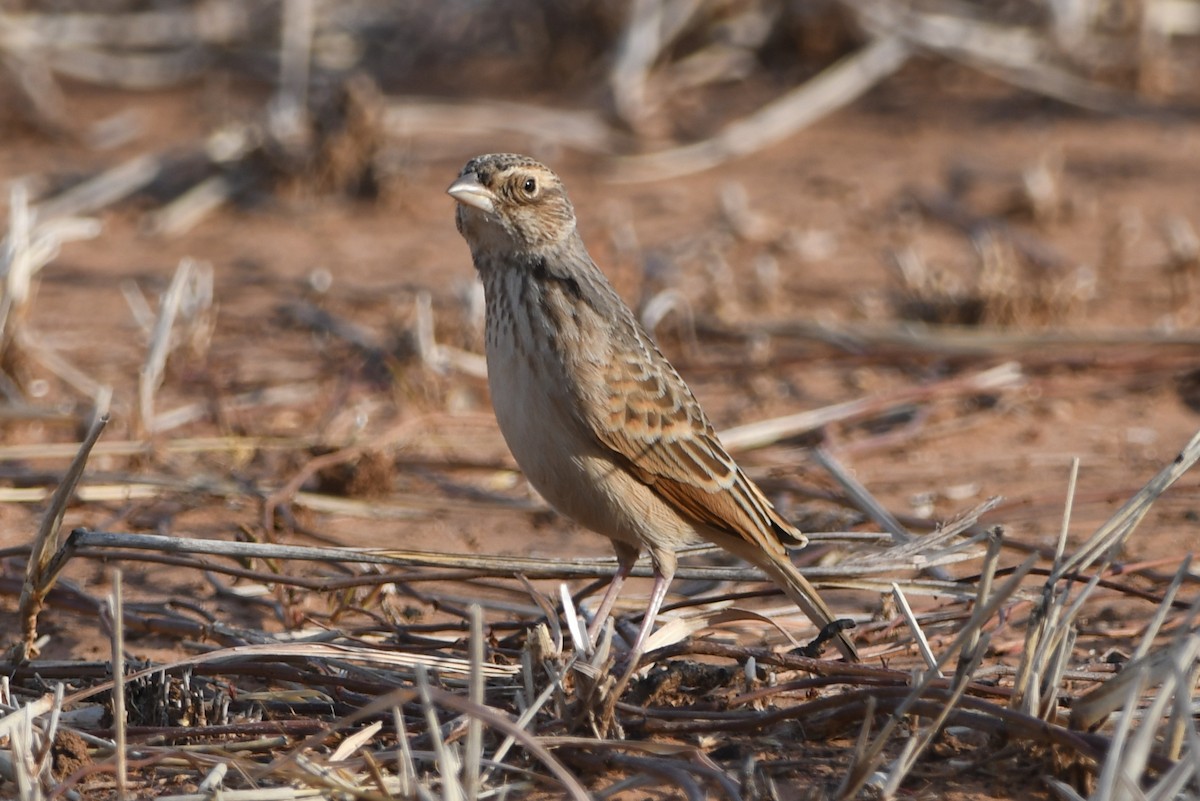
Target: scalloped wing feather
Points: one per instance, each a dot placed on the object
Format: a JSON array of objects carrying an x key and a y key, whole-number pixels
[{"x": 651, "y": 418}]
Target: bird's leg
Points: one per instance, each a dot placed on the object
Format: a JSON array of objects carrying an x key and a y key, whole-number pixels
[
  {"x": 662, "y": 583},
  {"x": 663, "y": 573},
  {"x": 626, "y": 557}
]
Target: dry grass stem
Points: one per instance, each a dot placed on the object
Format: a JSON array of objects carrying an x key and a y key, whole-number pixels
[
  {"x": 579, "y": 130},
  {"x": 759, "y": 434},
  {"x": 473, "y": 754},
  {"x": 987, "y": 575},
  {"x": 965, "y": 341},
  {"x": 915, "y": 627},
  {"x": 103, "y": 190},
  {"x": 832, "y": 89},
  {"x": 43, "y": 567},
  {"x": 179, "y": 446},
  {"x": 1122, "y": 524},
  {"x": 189, "y": 209},
  {"x": 31, "y": 242},
  {"x": 189, "y": 299},
  {"x": 442, "y": 357},
  {"x": 865, "y": 501},
  {"x": 116, "y": 620},
  {"x": 867, "y": 571},
  {"x": 1015, "y": 54}
]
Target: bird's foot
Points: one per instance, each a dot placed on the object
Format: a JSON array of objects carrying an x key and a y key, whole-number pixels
[{"x": 816, "y": 647}]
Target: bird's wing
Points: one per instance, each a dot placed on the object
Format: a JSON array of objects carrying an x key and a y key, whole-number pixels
[
  {"x": 652, "y": 420},
  {"x": 649, "y": 417}
]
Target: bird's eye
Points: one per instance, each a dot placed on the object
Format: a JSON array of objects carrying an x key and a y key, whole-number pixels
[{"x": 529, "y": 187}]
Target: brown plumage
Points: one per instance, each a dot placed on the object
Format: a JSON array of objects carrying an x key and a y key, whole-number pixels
[{"x": 597, "y": 418}]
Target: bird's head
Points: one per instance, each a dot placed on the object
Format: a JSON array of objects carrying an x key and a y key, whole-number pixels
[{"x": 511, "y": 203}]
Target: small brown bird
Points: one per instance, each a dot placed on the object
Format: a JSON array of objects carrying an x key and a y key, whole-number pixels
[{"x": 597, "y": 418}]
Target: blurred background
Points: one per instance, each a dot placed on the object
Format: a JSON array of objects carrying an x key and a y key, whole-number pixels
[{"x": 955, "y": 242}]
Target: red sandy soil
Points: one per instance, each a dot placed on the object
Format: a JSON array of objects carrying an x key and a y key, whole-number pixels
[{"x": 839, "y": 187}]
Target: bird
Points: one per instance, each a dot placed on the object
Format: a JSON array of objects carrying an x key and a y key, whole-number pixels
[{"x": 599, "y": 421}]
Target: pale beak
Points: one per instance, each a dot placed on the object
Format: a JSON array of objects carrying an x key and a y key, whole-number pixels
[{"x": 468, "y": 191}]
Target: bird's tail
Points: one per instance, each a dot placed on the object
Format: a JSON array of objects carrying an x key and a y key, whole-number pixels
[{"x": 805, "y": 596}]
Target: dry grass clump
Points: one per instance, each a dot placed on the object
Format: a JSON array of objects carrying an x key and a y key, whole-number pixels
[
  {"x": 1001, "y": 291},
  {"x": 468, "y": 708},
  {"x": 1013, "y": 277}
]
